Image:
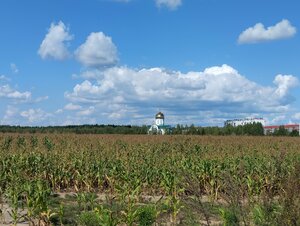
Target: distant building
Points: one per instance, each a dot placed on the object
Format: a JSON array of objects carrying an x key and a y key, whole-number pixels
[
  {"x": 242, "y": 122},
  {"x": 289, "y": 128},
  {"x": 159, "y": 126}
]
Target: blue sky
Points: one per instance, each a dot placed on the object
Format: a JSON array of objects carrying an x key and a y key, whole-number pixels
[{"x": 120, "y": 61}]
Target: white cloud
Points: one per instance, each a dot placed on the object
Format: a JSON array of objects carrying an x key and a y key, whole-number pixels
[
  {"x": 40, "y": 99},
  {"x": 296, "y": 116},
  {"x": 97, "y": 51},
  {"x": 91, "y": 74},
  {"x": 59, "y": 111},
  {"x": 122, "y": 93},
  {"x": 87, "y": 112},
  {"x": 9, "y": 116},
  {"x": 35, "y": 115},
  {"x": 55, "y": 42},
  {"x": 124, "y": 1},
  {"x": 277, "y": 119},
  {"x": 78, "y": 120},
  {"x": 7, "y": 92},
  {"x": 259, "y": 33},
  {"x": 171, "y": 4},
  {"x": 72, "y": 107},
  {"x": 3, "y": 78},
  {"x": 14, "y": 68},
  {"x": 15, "y": 116},
  {"x": 284, "y": 83}
]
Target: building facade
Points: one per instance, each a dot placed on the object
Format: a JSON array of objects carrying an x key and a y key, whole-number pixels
[
  {"x": 290, "y": 128},
  {"x": 242, "y": 122}
]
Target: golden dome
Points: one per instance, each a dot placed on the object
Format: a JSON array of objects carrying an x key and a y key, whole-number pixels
[{"x": 159, "y": 115}]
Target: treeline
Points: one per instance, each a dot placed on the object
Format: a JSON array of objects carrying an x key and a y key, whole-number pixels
[
  {"x": 255, "y": 129},
  {"x": 284, "y": 132},
  {"x": 77, "y": 129}
]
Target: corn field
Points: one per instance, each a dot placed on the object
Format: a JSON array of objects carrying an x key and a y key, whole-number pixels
[{"x": 49, "y": 179}]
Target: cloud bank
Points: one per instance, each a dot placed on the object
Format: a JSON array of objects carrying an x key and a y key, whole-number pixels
[
  {"x": 122, "y": 93},
  {"x": 258, "y": 33}
]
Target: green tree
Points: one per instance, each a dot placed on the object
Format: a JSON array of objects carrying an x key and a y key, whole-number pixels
[
  {"x": 294, "y": 133},
  {"x": 281, "y": 131}
]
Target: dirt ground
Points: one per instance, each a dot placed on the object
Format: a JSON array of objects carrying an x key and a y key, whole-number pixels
[{"x": 7, "y": 220}]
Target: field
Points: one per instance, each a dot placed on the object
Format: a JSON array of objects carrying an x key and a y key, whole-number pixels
[{"x": 48, "y": 179}]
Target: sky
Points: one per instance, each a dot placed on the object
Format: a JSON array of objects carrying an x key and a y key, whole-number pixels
[{"x": 201, "y": 62}]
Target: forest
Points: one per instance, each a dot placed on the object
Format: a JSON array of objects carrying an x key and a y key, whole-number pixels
[{"x": 255, "y": 129}]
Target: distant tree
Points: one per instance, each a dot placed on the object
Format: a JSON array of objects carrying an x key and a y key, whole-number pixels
[
  {"x": 294, "y": 133},
  {"x": 258, "y": 129},
  {"x": 192, "y": 130},
  {"x": 229, "y": 130},
  {"x": 239, "y": 130},
  {"x": 202, "y": 131},
  {"x": 281, "y": 131},
  {"x": 177, "y": 129}
]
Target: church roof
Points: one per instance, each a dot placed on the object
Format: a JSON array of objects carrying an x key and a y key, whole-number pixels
[{"x": 159, "y": 115}]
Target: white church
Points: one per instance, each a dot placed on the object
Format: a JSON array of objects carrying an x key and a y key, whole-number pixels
[{"x": 159, "y": 127}]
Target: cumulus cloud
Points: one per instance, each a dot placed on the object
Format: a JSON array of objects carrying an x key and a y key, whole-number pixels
[
  {"x": 284, "y": 83},
  {"x": 9, "y": 116},
  {"x": 35, "y": 115},
  {"x": 55, "y": 42},
  {"x": 171, "y": 4},
  {"x": 296, "y": 116},
  {"x": 122, "y": 92},
  {"x": 78, "y": 120},
  {"x": 276, "y": 119},
  {"x": 90, "y": 74},
  {"x": 14, "y": 68},
  {"x": 87, "y": 112},
  {"x": 40, "y": 99},
  {"x": 97, "y": 51},
  {"x": 72, "y": 107},
  {"x": 7, "y": 92},
  {"x": 3, "y": 78},
  {"x": 258, "y": 33}
]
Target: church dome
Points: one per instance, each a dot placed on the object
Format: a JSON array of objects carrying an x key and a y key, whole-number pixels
[{"x": 159, "y": 115}]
